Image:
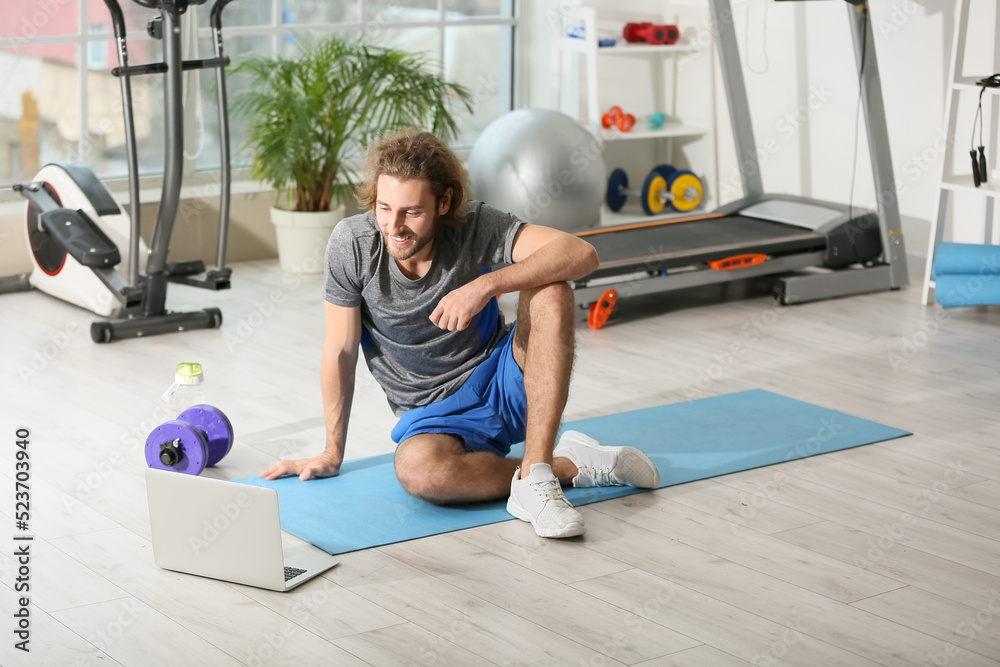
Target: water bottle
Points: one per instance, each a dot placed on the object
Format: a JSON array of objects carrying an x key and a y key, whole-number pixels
[
  {"x": 195, "y": 435},
  {"x": 188, "y": 388}
]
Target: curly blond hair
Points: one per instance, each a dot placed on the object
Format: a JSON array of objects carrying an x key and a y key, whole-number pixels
[{"x": 415, "y": 155}]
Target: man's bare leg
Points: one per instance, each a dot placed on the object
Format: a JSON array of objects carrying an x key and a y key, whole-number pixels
[
  {"x": 437, "y": 468},
  {"x": 544, "y": 342}
]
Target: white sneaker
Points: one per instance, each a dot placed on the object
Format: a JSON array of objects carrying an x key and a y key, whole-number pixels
[
  {"x": 538, "y": 498},
  {"x": 606, "y": 466}
]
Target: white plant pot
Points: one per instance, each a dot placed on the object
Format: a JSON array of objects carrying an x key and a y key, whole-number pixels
[{"x": 302, "y": 238}]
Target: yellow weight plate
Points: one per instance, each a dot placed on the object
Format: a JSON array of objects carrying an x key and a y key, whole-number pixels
[
  {"x": 654, "y": 200},
  {"x": 678, "y": 188}
]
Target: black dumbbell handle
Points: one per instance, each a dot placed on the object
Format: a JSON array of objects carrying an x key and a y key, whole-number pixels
[{"x": 169, "y": 452}]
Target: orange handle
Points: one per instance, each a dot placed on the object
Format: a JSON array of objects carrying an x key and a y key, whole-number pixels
[
  {"x": 600, "y": 310},
  {"x": 737, "y": 261}
]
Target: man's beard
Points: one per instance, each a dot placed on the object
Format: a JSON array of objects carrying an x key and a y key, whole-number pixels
[{"x": 417, "y": 243}]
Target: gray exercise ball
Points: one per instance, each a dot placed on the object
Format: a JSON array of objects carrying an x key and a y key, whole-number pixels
[{"x": 542, "y": 166}]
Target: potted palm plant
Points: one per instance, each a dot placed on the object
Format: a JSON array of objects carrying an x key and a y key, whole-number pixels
[{"x": 310, "y": 118}]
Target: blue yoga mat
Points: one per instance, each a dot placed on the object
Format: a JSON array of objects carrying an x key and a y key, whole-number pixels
[
  {"x": 957, "y": 290},
  {"x": 365, "y": 506},
  {"x": 966, "y": 259}
]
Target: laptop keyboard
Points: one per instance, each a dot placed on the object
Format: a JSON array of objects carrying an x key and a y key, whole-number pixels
[{"x": 292, "y": 572}]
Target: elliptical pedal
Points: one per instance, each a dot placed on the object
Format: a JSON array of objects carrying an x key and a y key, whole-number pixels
[{"x": 193, "y": 273}]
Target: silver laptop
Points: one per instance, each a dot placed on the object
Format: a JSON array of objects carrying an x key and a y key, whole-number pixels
[{"x": 223, "y": 530}]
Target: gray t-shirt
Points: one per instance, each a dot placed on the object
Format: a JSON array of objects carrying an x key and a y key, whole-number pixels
[{"x": 414, "y": 361}]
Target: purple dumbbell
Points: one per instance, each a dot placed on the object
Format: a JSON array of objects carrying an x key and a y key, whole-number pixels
[{"x": 199, "y": 438}]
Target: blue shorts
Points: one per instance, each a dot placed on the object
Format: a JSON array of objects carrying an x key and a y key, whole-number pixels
[{"x": 487, "y": 412}]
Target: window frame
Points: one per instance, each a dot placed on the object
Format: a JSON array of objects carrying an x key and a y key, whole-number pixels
[{"x": 196, "y": 180}]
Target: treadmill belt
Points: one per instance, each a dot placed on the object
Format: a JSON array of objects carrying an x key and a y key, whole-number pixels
[{"x": 676, "y": 243}]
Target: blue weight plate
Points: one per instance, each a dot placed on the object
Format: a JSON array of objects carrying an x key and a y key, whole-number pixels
[
  {"x": 617, "y": 182},
  {"x": 217, "y": 427},
  {"x": 667, "y": 172},
  {"x": 192, "y": 446}
]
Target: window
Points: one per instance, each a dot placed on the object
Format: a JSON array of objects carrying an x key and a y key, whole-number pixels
[
  {"x": 61, "y": 101},
  {"x": 97, "y": 52}
]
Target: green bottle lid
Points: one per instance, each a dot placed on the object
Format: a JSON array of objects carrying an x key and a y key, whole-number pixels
[{"x": 189, "y": 372}]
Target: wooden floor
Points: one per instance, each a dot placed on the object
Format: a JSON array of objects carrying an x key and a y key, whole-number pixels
[{"x": 887, "y": 554}]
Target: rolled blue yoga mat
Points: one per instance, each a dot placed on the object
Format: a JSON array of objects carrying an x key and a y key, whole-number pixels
[
  {"x": 955, "y": 291},
  {"x": 966, "y": 259},
  {"x": 365, "y": 506}
]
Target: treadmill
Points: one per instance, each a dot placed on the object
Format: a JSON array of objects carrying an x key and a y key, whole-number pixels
[{"x": 814, "y": 249}]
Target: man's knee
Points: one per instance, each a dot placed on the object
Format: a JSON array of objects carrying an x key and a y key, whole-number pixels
[
  {"x": 559, "y": 293},
  {"x": 422, "y": 473},
  {"x": 547, "y": 300}
]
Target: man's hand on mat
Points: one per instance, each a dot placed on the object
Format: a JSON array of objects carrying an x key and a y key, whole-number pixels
[{"x": 318, "y": 466}]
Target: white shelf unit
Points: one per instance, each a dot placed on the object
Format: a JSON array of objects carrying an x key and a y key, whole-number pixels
[
  {"x": 580, "y": 63},
  {"x": 952, "y": 183}
]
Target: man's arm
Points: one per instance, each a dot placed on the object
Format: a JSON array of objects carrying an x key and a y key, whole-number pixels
[
  {"x": 541, "y": 255},
  {"x": 337, "y": 373}
]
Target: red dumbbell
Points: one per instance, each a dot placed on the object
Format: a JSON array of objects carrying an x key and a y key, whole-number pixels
[
  {"x": 652, "y": 34},
  {"x": 615, "y": 117}
]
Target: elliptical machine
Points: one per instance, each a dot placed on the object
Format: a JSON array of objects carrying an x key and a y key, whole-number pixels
[{"x": 76, "y": 229}]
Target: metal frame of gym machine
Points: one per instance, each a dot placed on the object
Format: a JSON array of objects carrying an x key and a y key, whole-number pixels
[
  {"x": 142, "y": 297},
  {"x": 794, "y": 212}
]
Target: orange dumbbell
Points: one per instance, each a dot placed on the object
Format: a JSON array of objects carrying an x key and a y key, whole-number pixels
[{"x": 615, "y": 118}]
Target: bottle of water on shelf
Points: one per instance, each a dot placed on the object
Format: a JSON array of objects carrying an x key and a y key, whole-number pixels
[{"x": 188, "y": 388}]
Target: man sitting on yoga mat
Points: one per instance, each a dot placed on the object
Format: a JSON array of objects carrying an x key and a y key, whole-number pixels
[{"x": 410, "y": 282}]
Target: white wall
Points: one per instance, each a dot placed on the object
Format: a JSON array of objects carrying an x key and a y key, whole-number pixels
[
  {"x": 804, "y": 104},
  {"x": 810, "y": 75}
]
